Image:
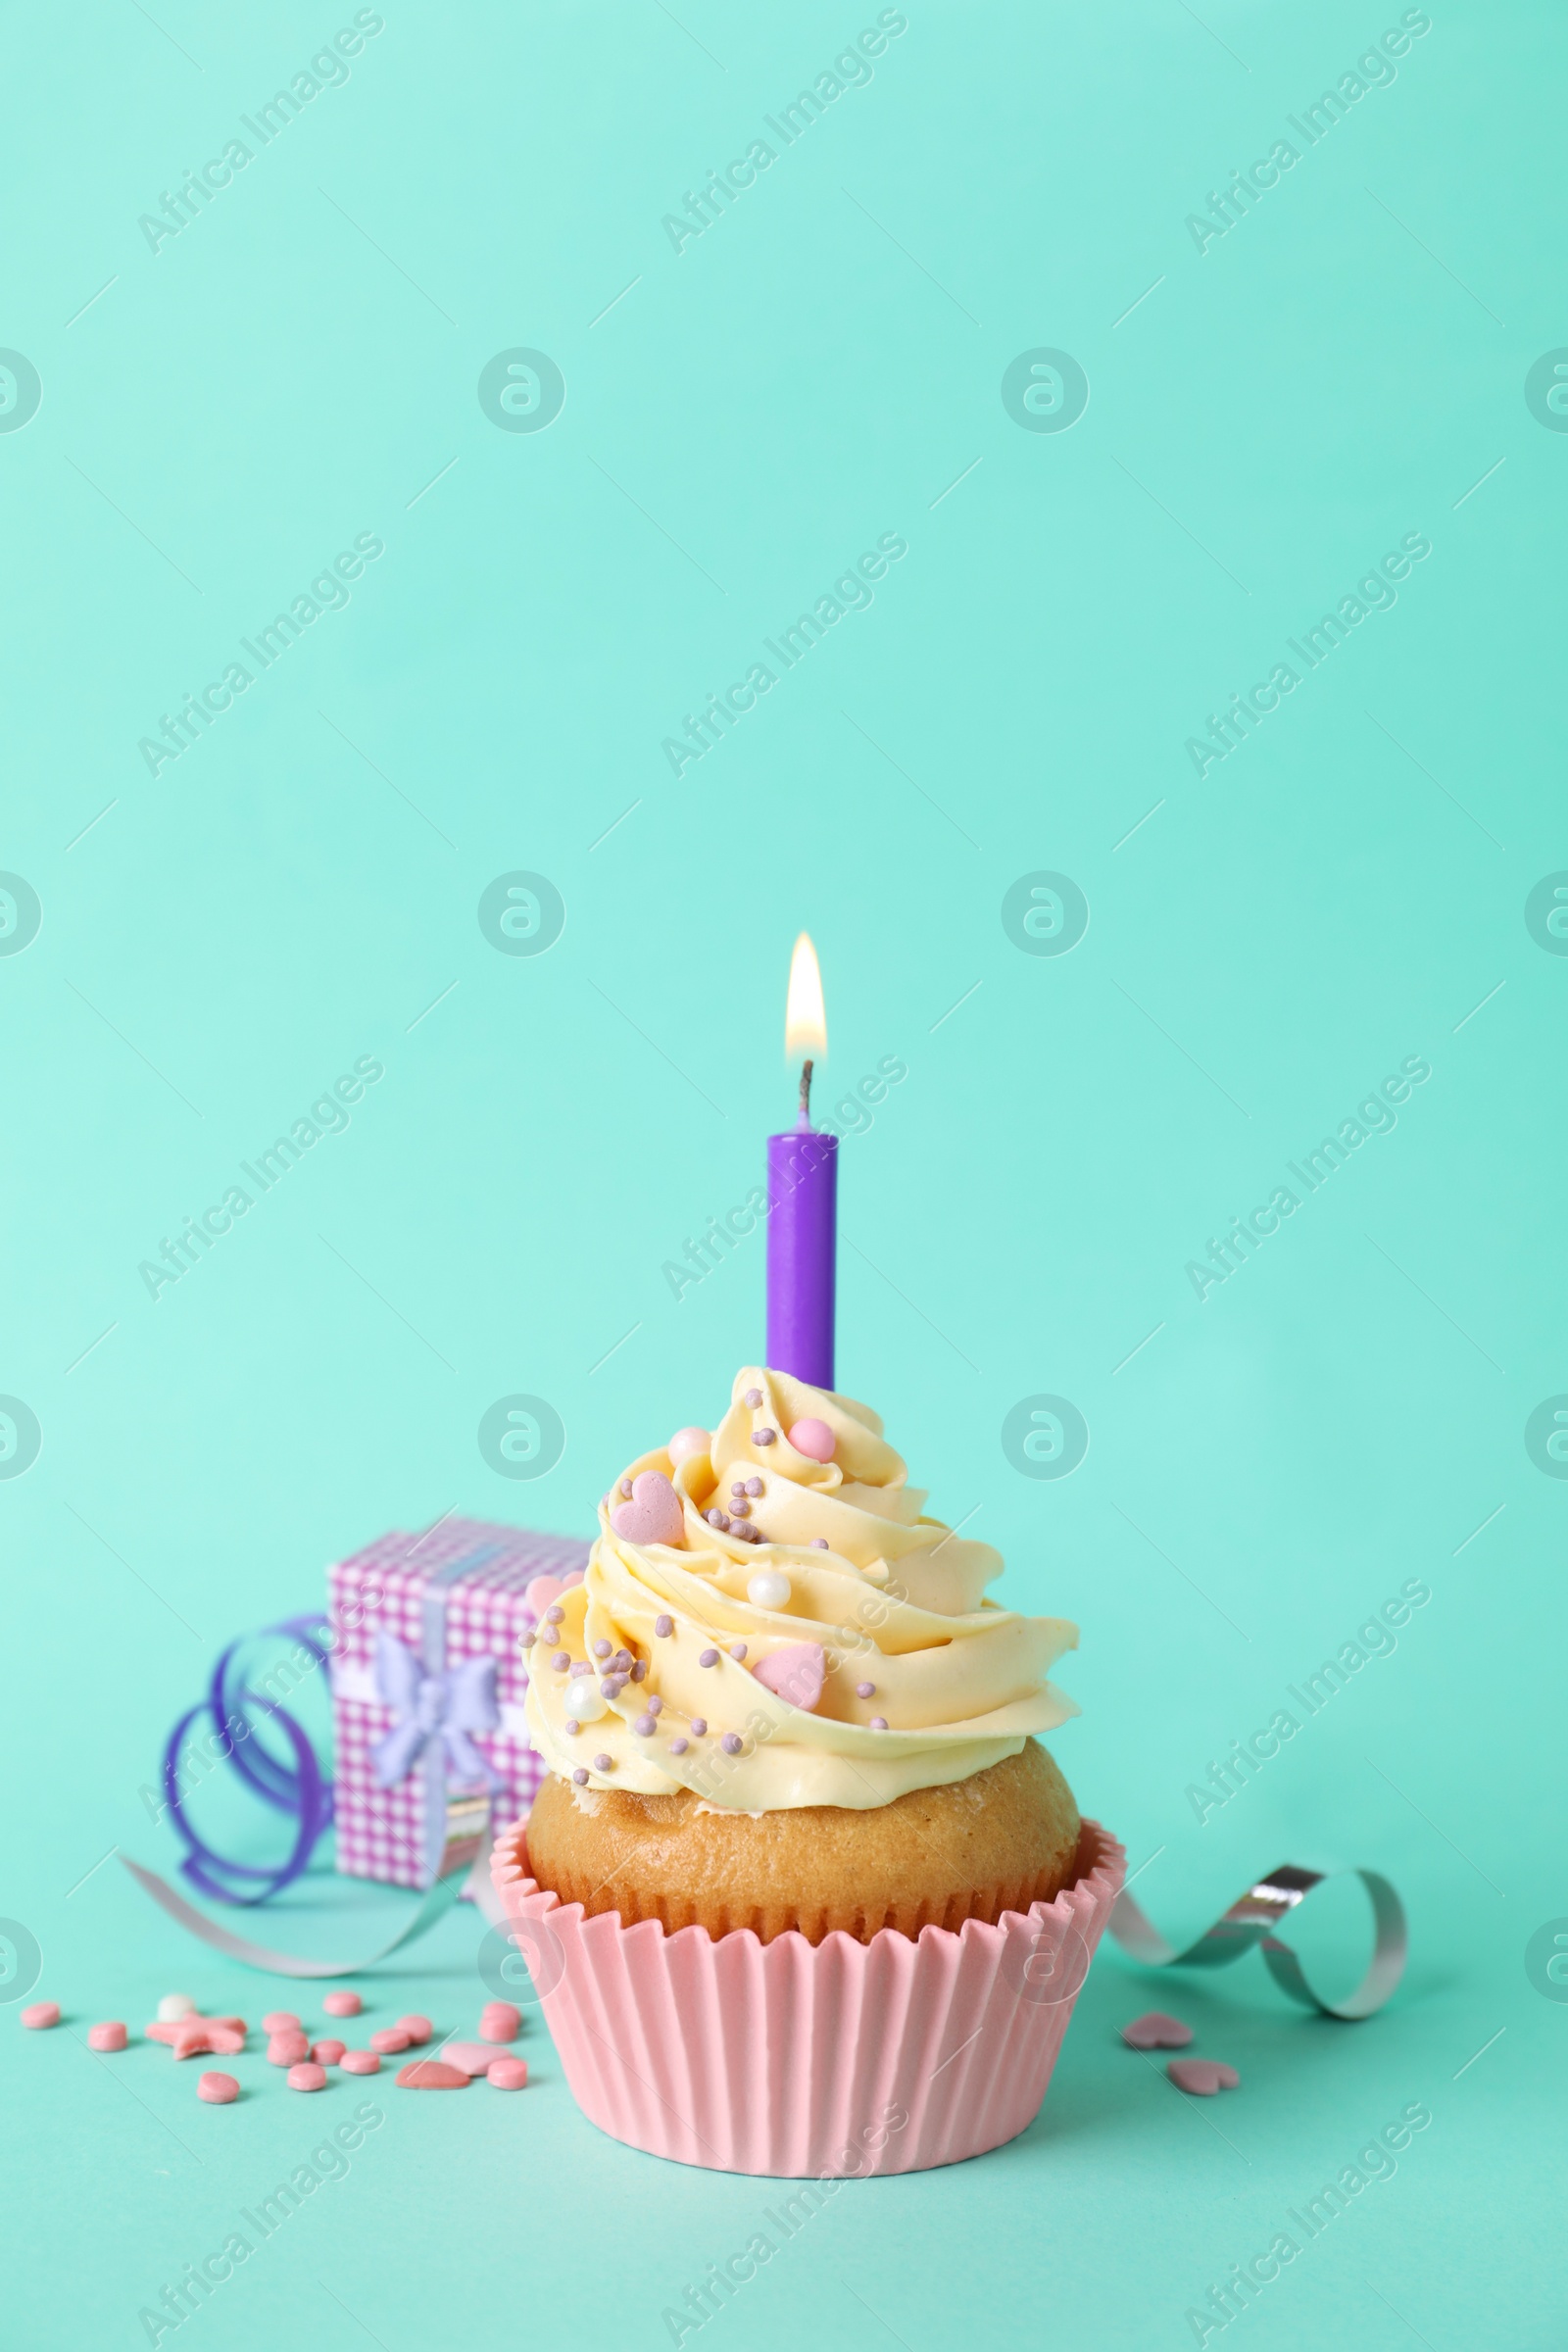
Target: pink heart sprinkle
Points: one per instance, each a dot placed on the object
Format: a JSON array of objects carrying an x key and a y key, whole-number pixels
[
  {"x": 653, "y": 1515},
  {"x": 794, "y": 1673},
  {"x": 539, "y": 1595},
  {"x": 473, "y": 2057},
  {"x": 1202, "y": 2077},
  {"x": 1155, "y": 2030}
]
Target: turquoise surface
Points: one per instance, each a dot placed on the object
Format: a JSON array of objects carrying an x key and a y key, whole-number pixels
[{"x": 1256, "y": 401}]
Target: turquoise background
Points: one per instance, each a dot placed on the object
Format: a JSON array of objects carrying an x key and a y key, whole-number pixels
[{"x": 299, "y": 888}]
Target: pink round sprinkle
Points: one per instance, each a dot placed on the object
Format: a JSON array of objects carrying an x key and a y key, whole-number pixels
[
  {"x": 813, "y": 1439},
  {"x": 499, "y": 2022},
  {"x": 326, "y": 2053},
  {"x": 342, "y": 2004},
  {"x": 217, "y": 2089},
  {"x": 110, "y": 2035},
  {"x": 279, "y": 2020},
  {"x": 41, "y": 2013},
  {"x": 287, "y": 2049},
  {"x": 508, "y": 2074},
  {"x": 360, "y": 2062},
  {"x": 417, "y": 2028},
  {"x": 389, "y": 2040},
  {"x": 686, "y": 1442},
  {"x": 307, "y": 2076}
]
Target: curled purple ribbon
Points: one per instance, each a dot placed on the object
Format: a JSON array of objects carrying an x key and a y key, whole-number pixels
[
  {"x": 297, "y": 1788},
  {"x": 450, "y": 1704}
]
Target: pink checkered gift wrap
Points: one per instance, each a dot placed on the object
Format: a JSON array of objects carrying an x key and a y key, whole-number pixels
[{"x": 481, "y": 1571}]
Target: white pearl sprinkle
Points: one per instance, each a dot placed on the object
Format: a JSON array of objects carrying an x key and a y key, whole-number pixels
[
  {"x": 584, "y": 1700},
  {"x": 769, "y": 1588}
]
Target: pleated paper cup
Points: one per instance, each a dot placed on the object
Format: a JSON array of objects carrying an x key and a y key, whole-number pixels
[{"x": 802, "y": 2060}]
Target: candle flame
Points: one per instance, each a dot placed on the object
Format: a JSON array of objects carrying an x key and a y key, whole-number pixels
[{"x": 805, "y": 1020}]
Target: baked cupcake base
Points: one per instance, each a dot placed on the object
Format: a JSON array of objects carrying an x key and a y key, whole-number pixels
[
  {"x": 1000, "y": 1841},
  {"x": 834, "y": 2061}
]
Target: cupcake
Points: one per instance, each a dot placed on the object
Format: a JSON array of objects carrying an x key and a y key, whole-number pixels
[{"x": 796, "y": 1839}]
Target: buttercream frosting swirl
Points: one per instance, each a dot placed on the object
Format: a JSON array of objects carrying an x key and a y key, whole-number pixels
[{"x": 889, "y": 1598}]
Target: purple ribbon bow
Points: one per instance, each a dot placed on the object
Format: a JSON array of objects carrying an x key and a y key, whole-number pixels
[{"x": 453, "y": 1703}]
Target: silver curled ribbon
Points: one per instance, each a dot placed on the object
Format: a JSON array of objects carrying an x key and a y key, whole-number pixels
[
  {"x": 1253, "y": 1919},
  {"x": 462, "y": 1872}
]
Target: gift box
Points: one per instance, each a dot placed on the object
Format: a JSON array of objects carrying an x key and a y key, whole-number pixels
[{"x": 427, "y": 1685}]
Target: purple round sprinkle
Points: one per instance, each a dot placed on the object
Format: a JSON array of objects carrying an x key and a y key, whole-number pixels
[
  {"x": 820, "y": 1543},
  {"x": 716, "y": 1518},
  {"x": 765, "y": 1437},
  {"x": 737, "y": 1486},
  {"x": 739, "y": 1508},
  {"x": 709, "y": 1657},
  {"x": 626, "y": 1486},
  {"x": 737, "y": 1649},
  {"x": 601, "y": 1649},
  {"x": 644, "y": 1726},
  {"x": 655, "y": 1705},
  {"x": 879, "y": 1723},
  {"x": 639, "y": 1670},
  {"x": 603, "y": 1763},
  {"x": 663, "y": 1627},
  {"x": 573, "y": 1727},
  {"x": 699, "y": 1726},
  {"x": 865, "y": 1689},
  {"x": 754, "y": 1486},
  {"x": 677, "y": 1747},
  {"x": 752, "y": 1398},
  {"x": 623, "y": 1662},
  {"x": 731, "y": 1743},
  {"x": 580, "y": 1776},
  {"x": 609, "y": 1686},
  {"x": 555, "y": 1613},
  {"x": 561, "y": 1661}
]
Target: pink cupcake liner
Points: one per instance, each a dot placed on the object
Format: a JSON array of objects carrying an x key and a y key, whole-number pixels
[{"x": 839, "y": 2059}]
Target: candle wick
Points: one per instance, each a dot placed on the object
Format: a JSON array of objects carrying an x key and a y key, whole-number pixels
[{"x": 805, "y": 1119}]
